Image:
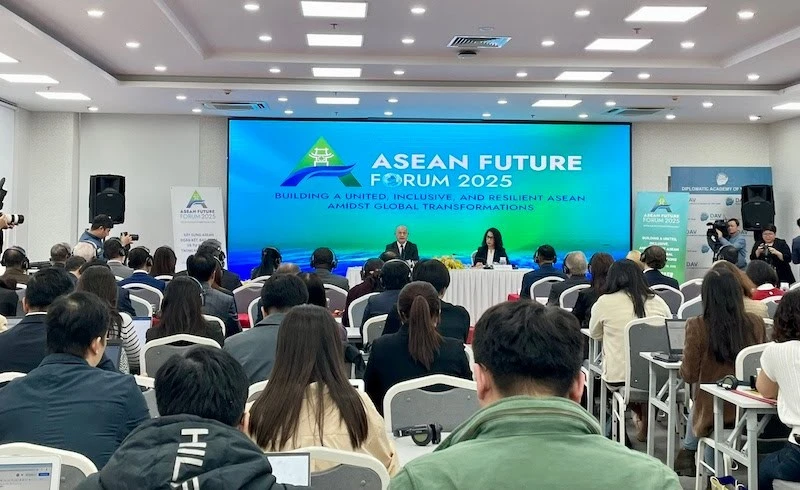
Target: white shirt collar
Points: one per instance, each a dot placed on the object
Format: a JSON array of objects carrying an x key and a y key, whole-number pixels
[
  {"x": 401, "y": 245},
  {"x": 36, "y": 313},
  {"x": 115, "y": 262},
  {"x": 648, "y": 269},
  {"x": 140, "y": 270}
]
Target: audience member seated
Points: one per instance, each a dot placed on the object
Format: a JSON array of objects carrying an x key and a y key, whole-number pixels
[
  {"x": 115, "y": 253},
  {"x": 201, "y": 266},
  {"x": 323, "y": 261},
  {"x": 86, "y": 251},
  {"x": 255, "y": 348},
  {"x": 309, "y": 400},
  {"x": 287, "y": 268},
  {"x": 316, "y": 289},
  {"x": 394, "y": 275},
  {"x": 230, "y": 280},
  {"x": 747, "y": 286},
  {"x": 528, "y": 371},
  {"x": 575, "y": 268},
  {"x": 23, "y": 347},
  {"x": 453, "y": 320},
  {"x": 140, "y": 260},
  {"x": 404, "y": 249},
  {"x": 99, "y": 281},
  {"x": 8, "y": 298},
  {"x": 182, "y": 312},
  {"x": 164, "y": 261},
  {"x": 655, "y": 259},
  {"x": 544, "y": 257},
  {"x": 73, "y": 266},
  {"x": 775, "y": 252},
  {"x": 598, "y": 267},
  {"x": 370, "y": 283},
  {"x": 66, "y": 403},
  {"x": 270, "y": 261},
  {"x": 59, "y": 253},
  {"x": 780, "y": 364},
  {"x": 712, "y": 342},
  {"x": 491, "y": 249},
  {"x": 627, "y": 298},
  {"x": 387, "y": 256},
  {"x": 201, "y": 398},
  {"x": 636, "y": 257},
  {"x": 123, "y": 295},
  {"x": 100, "y": 230},
  {"x": 418, "y": 349},
  {"x": 765, "y": 278},
  {"x": 729, "y": 253},
  {"x": 16, "y": 262},
  {"x": 216, "y": 280}
]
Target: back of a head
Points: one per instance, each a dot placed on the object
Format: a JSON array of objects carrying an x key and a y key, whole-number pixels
[
  {"x": 546, "y": 253},
  {"x": 625, "y": 275},
  {"x": 138, "y": 258},
  {"x": 287, "y": 268},
  {"x": 102, "y": 221},
  {"x": 74, "y": 263},
  {"x": 636, "y": 257},
  {"x": 395, "y": 274},
  {"x": 387, "y": 256},
  {"x": 201, "y": 266},
  {"x": 205, "y": 382},
  {"x": 113, "y": 249},
  {"x": 372, "y": 265},
  {"x": 576, "y": 263},
  {"x": 182, "y": 307},
  {"x": 14, "y": 257},
  {"x": 729, "y": 328},
  {"x": 419, "y": 307},
  {"x": 283, "y": 291},
  {"x": 433, "y": 272},
  {"x": 270, "y": 260},
  {"x": 100, "y": 281},
  {"x": 74, "y": 322},
  {"x": 213, "y": 248},
  {"x": 47, "y": 285},
  {"x": 60, "y": 252},
  {"x": 787, "y": 318},
  {"x": 316, "y": 289},
  {"x": 654, "y": 257},
  {"x": 529, "y": 349},
  {"x": 729, "y": 253},
  {"x": 322, "y": 258},
  {"x": 762, "y": 273},
  {"x": 599, "y": 265},
  {"x": 164, "y": 261},
  {"x": 85, "y": 250},
  {"x": 745, "y": 283}
]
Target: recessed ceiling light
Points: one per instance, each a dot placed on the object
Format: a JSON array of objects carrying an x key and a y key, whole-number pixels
[
  {"x": 388, "y": 113},
  {"x": 93, "y": 108},
  {"x": 502, "y": 101},
  {"x": 583, "y": 76},
  {"x": 4, "y": 58},
  {"x": 486, "y": 114},
  {"x": 197, "y": 110},
  {"x": 746, "y": 14},
  {"x": 708, "y": 104},
  {"x": 288, "y": 112},
  {"x": 338, "y": 40},
  {"x": 274, "y": 69},
  {"x": 618, "y": 44},
  {"x": 338, "y": 100},
  {"x": 265, "y": 38},
  {"x": 19, "y": 78},
  {"x": 522, "y": 74},
  {"x": 753, "y": 76},
  {"x": 133, "y": 44},
  {"x": 754, "y": 118},
  {"x": 95, "y": 13},
  {"x": 63, "y": 95},
  {"x": 486, "y": 28},
  {"x": 399, "y": 72},
  {"x": 643, "y": 76},
  {"x": 670, "y": 117},
  {"x": 252, "y": 7},
  {"x": 610, "y": 103},
  {"x": 583, "y": 115},
  {"x": 336, "y": 72},
  {"x": 548, "y": 43},
  {"x": 160, "y": 68},
  {"x": 408, "y": 40},
  {"x": 418, "y": 10},
  {"x": 392, "y": 100},
  {"x": 283, "y": 99},
  {"x": 343, "y": 10},
  {"x": 180, "y": 97},
  {"x": 687, "y": 44},
  {"x": 582, "y": 13},
  {"x": 665, "y": 14},
  {"x": 789, "y": 106},
  {"x": 556, "y": 103}
]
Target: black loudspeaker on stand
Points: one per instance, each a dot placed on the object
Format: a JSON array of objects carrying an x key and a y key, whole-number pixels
[
  {"x": 758, "y": 207},
  {"x": 107, "y": 196}
]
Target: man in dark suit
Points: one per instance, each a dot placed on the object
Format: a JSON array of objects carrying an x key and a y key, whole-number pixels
[
  {"x": 201, "y": 266},
  {"x": 370, "y": 283},
  {"x": 544, "y": 257},
  {"x": 395, "y": 274},
  {"x": 575, "y": 266},
  {"x": 655, "y": 258},
  {"x": 140, "y": 260},
  {"x": 23, "y": 347},
  {"x": 404, "y": 249},
  {"x": 323, "y": 262},
  {"x": 230, "y": 280},
  {"x": 16, "y": 263}
]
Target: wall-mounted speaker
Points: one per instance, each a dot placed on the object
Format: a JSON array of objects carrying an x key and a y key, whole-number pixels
[
  {"x": 107, "y": 196},
  {"x": 758, "y": 207}
]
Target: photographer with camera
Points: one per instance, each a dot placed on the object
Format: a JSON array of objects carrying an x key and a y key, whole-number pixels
[
  {"x": 775, "y": 252},
  {"x": 100, "y": 230},
  {"x": 724, "y": 233}
]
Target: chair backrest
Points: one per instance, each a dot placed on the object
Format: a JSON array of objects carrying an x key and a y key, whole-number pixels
[
  {"x": 260, "y": 279},
  {"x": 748, "y": 360},
  {"x": 570, "y": 296},
  {"x": 245, "y": 294},
  {"x": 255, "y": 390},
  {"x": 218, "y": 321},
  {"x": 252, "y": 312},
  {"x": 373, "y": 328},
  {"x": 352, "y": 470},
  {"x": 141, "y": 307},
  {"x": 355, "y": 312},
  {"x": 148, "y": 293},
  {"x": 769, "y": 325},
  {"x": 10, "y": 376},
  {"x": 671, "y": 296},
  {"x": 794, "y": 286},
  {"x": 691, "y": 308},
  {"x": 407, "y": 404},
  {"x": 772, "y": 305},
  {"x": 542, "y": 287},
  {"x": 337, "y": 297},
  {"x": 147, "y": 385},
  {"x": 165, "y": 278},
  {"x": 156, "y": 352},
  {"x": 75, "y": 467},
  {"x": 691, "y": 289},
  {"x": 358, "y": 384},
  {"x": 643, "y": 335}
]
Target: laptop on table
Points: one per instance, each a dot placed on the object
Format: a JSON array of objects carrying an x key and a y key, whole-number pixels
[
  {"x": 42, "y": 472},
  {"x": 675, "y": 332}
]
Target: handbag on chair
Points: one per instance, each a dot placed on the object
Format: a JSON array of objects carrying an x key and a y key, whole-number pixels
[{"x": 726, "y": 483}]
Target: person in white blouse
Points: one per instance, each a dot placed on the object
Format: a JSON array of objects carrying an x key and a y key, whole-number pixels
[{"x": 491, "y": 250}]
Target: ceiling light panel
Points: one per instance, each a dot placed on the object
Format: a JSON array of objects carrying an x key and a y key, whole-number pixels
[
  {"x": 665, "y": 14},
  {"x": 618, "y": 44},
  {"x": 19, "y": 78},
  {"x": 338, "y": 100},
  {"x": 63, "y": 95},
  {"x": 556, "y": 103},
  {"x": 340, "y": 40},
  {"x": 324, "y": 72},
  {"x": 789, "y": 106},
  {"x": 4, "y": 58},
  {"x": 340, "y": 10},
  {"x": 583, "y": 76}
]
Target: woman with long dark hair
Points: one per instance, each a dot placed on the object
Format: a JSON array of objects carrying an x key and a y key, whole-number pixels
[
  {"x": 164, "y": 261},
  {"x": 270, "y": 261},
  {"x": 746, "y": 285},
  {"x": 316, "y": 289},
  {"x": 417, "y": 349},
  {"x": 599, "y": 265},
  {"x": 309, "y": 401},
  {"x": 491, "y": 249},
  {"x": 182, "y": 312},
  {"x": 712, "y": 343}
]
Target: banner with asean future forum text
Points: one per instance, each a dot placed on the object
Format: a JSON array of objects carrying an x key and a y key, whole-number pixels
[
  {"x": 197, "y": 216},
  {"x": 661, "y": 219}
]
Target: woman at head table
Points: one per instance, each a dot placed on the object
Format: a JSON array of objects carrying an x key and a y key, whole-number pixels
[{"x": 491, "y": 250}]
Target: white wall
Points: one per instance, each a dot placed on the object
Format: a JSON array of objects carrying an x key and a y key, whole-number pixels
[{"x": 785, "y": 146}]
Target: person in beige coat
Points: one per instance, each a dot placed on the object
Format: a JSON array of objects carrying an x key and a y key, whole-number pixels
[
  {"x": 309, "y": 401},
  {"x": 750, "y": 305}
]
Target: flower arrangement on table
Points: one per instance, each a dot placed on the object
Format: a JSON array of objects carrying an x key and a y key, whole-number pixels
[{"x": 450, "y": 262}]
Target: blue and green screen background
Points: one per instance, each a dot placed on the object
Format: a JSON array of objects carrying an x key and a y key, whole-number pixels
[{"x": 262, "y": 212}]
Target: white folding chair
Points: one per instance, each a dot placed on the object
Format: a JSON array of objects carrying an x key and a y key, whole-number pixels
[
  {"x": 769, "y": 323},
  {"x": 159, "y": 350},
  {"x": 255, "y": 390},
  {"x": 355, "y": 312},
  {"x": 252, "y": 312},
  {"x": 351, "y": 470},
  {"x": 165, "y": 278},
  {"x": 691, "y": 308},
  {"x": 148, "y": 385},
  {"x": 10, "y": 376},
  {"x": 373, "y": 328},
  {"x": 358, "y": 384},
  {"x": 691, "y": 289},
  {"x": 20, "y": 295},
  {"x": 540, "y": 289},
  {"x": 671, "y": 296},
  {"x": 407, "y": 404},
  {"x": 75, "y": 467},
  {"x": 569, "y": 297},
  {"x": 337, "y": 297},
  {"x": 260, "y": 279},
  {"x": 218, "y": 321},
  {"x": 141, "y": 307},
  {"x": 772, "y": 305},
  {"x": 148, "y": 293},
  {"x": 245, "y": 294},
  {"x": 119, "y": 278}
]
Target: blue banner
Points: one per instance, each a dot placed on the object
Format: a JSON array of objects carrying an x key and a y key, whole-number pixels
[
  {"x": 717, "y": 180},
  {"x": 660, "y": 219}
]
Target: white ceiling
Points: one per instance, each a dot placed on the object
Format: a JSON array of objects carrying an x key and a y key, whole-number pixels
[{"x": 211, "y": 47}]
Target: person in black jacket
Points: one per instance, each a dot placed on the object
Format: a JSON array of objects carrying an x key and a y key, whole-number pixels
[
  {"x": 492, "y": 245},
  {"x": 417, "y": 350},
  {"x": 775, "y": 252},
  {"x": 198, "y": 441},
  {"x": 599, "y": 265},
  {"x": 655, "y": 259},
  {"x": 453, "y": 320}
]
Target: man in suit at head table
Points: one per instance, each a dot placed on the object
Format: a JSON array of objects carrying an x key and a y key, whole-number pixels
[{"x": 404, "y": 249}]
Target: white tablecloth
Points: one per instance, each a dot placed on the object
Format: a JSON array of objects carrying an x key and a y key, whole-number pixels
[
  {"x": 474, "y": 289},
  {"x": 407, "y": 451}
]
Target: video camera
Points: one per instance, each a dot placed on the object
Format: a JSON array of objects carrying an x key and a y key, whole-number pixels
[
  {"x": 10, "y": 219},
  {"x": 721, "y": 225}
]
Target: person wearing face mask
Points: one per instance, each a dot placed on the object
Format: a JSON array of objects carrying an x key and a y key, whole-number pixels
[{"x": 774, "y": 251}]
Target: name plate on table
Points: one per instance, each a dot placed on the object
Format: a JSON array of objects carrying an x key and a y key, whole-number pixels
[{"x": 502, "y": 267}]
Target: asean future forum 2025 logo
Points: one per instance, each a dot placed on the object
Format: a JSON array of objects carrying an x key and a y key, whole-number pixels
[{"x": 321, "y": 161}]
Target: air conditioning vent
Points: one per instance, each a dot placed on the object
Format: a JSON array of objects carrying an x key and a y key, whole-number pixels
[
  {"x": 478, "y": 42},
  {"x": 634, "y": 111},
  {"x": 235, "y": 106}
]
